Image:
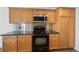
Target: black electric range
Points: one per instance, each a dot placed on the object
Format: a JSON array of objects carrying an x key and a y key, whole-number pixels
[{"x": 40, "y": 41}]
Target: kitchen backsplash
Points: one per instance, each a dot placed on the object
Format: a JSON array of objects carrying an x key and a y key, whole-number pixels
[
  {"x": 22, "y": 27},
  {"x": 25, "y": 27}
]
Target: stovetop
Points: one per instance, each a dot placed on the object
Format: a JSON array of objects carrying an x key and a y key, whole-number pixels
[{"x": 40, "y": 34}]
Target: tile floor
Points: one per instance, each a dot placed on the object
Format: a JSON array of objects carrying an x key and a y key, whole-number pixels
[{"x": 65, "y": 50}]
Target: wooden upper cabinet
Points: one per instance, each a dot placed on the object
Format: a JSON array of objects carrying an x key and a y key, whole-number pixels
[
  {"x": 26, "y": 15},
  {"x": 67, "y": 12},
  {"x": 9, "y": 43},
  {"x": 20, "y": 15},
  {"x": 53, "y": 41},
  {"x": 24, "y": 43},
  {"x": 51, "y": 16},
  {"x": 15, "y": 15},
  {"x": 39, "y": 11}
]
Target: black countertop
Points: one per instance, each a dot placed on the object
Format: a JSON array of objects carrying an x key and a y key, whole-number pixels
[
  {"x": 25, "y": 33},
  {"x": 17, "y": 33}
]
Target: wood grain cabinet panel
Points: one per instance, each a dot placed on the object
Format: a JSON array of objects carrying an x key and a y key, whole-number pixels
[
  {"x": 26, "y": 15},
  {"x": 65, "y": 25},
  {"x": 53, "y": 41},
  {"x": 24, "y": 43},
  {"x": 20, "y": 15},
  {"x": 15, "y": 15},
  {"x": 51, "y": 16},
  {"x": 71, "y": 37},
  {"x": 39, "y": 11},
  {"x": 67, "y": 32},
  {"x": 67, "y": 12},
  {"x": 9, "y": 43},
  {"x": 63, "y": 32}
]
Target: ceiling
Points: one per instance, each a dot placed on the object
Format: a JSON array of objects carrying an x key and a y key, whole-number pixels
[
  {"x": 45, "y": 7},
  {"x": 40, "y": 7}
]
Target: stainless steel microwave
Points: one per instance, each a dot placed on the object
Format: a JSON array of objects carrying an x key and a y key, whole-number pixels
[{"x": 39, "y": 17}]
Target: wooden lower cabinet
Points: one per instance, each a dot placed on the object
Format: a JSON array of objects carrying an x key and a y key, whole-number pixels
[
  {"x": 9, "y": 43},
  {"x": 53, "y": 41},
  {"x": 18, "y": 43},
  {"x": 24, "y": 43}
]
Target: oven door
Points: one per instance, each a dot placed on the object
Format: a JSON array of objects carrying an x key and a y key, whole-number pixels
[{"x": 40, "y": 41}]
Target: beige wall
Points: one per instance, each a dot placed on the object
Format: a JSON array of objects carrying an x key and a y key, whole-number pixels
[
  {"x": 4, "y": 22},
  {"x": 77, "y": 30}
]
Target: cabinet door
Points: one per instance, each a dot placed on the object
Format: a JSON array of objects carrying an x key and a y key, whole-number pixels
[
  {"x": 51, "y": 16},
  {"x": 67, "y": 32},
  {"x": 63, "y": 32},
  {"x": 71, "y": 31},
  {"x": 15, "y": 15},
  {"x": 26, "y": 15},
  {"x": 9, "y": 43},
  {"x": 24, "y": 43},
  {"x": 53, "y": 41},
  {"x": 39, "y": 11},
  {"x": 67, "y": 12}
]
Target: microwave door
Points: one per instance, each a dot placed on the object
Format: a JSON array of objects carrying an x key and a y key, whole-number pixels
[{"x": 38, "y": 19}]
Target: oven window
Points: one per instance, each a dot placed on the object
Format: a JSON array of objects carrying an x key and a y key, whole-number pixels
[{"x": 40, "y": 41}]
